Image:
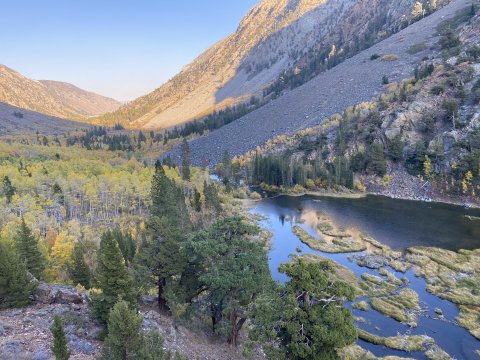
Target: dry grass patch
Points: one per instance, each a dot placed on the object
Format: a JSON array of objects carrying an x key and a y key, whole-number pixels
[{"x": 390, "y": 57}]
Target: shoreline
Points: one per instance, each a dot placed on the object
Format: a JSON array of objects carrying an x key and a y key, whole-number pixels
[{"x": 362, "y": 195}]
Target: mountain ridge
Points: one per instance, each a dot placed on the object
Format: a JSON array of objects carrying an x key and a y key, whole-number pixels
[
  {"x": 270, "y": 39},
  {"x": 50, "y": 97}
]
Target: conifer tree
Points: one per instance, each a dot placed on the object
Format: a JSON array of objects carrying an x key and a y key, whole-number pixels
[
  {"x": 126, "y": 244},
  {"x": 306, "y": 320},
  {"x": 16, "y": 285},
  {"x": 125, "y": 338},
  {"x": 79, "y": 270},
  {"x": 112, "y": 277},
  {"x": 197, "y": 202},
  {"x": 27, "y": 247},
  {"x": 234, "y": 270},
  {"x": 59, "y": 348},
  {"x": 8, "y": 189},
  {"x": 159, "y": 258}
]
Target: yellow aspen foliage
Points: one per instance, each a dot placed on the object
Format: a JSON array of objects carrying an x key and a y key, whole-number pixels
[
  {"x": 60, "y": 256},
  {"x": 427, "y": 167},
  {"x": 467, "y": 181}
]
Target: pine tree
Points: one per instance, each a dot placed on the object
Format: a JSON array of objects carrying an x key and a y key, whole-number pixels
[
  {"x": 59, "y": 348},
  {"x": 235, "y": 271},
  {"x": 27, "y": 248},
  {"x": 168, "y": 200},
  {"x": 309, "y": 302},
  {"x": 197, "y": 202},
  {"x": 8, "y": 189},
  {"x": 376, "y": 160},
  {"x": 126, "y": 244},
  {"x": 79, "y": 270},
  {"x": 227, "y": 170},
  {"x": 186, "y": 160},
  {"x": 159, "y": 258},
  {"x": 395, "y": 149},
  {"x": 112, "y": 277},
  {"x": 125, "y": 337},
  {"x": 16, "y": 285}
]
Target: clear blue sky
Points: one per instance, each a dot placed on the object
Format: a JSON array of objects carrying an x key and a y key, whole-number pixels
[{"x": 118, "y": 48}]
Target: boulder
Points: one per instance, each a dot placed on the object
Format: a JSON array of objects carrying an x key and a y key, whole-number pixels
[{"x": 58, "y": 294}]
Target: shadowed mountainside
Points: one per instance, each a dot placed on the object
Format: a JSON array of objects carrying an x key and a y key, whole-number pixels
[
  {"x": 356, "y": 80},
  {"x": 16, "y": 121}
]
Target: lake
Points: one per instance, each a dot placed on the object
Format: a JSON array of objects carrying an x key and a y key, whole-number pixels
[{"x": 397, "y": 223}]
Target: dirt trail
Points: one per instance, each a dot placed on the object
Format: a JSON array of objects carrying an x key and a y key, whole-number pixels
[{"x": 355, "y": 80}]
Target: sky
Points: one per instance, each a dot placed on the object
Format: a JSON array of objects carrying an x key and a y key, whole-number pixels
[{"x": 117, "y": 48}]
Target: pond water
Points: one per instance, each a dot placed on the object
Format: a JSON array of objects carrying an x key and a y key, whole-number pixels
[{"x": 397, "y": 223}]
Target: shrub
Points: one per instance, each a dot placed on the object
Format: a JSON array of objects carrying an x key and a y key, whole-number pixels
[
  {"x": 416, "y": 48},
  {"x": 374, "y": 57},
  {"x": 18, "y": 114},
  {"x": 390, "y": 57},
  {"x": 451, "y": 108},
  {"x": 449, "y": 40},
  {"x": 255, "y": 196},
  {"x": 385, "y": 80},
  {"x": 437, "y": 90}
]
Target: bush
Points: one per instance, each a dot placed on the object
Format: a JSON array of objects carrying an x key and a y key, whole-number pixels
[
  {"x": 18, "y": 114},
  {"x": 390, "y": 57},
  {"x": 385, "y": 80},
  {"x": 451, "y": 109},
  {"x": 449, "y": 40},
  {"x": 416, "y": 48},
  {"x": 437, "y": 90},
  {"x": 255, "y": 196},
  {"x": 374, "y": 57}
]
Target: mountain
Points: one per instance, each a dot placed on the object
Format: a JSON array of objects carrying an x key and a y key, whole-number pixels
[
  {"x": 352, "y": 82},
  {"x": 274, "y": 37},
  {"x": 51, "y": 97},
  {"x": 19, "y": 121}
]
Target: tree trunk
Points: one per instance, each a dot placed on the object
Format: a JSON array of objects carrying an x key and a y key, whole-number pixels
[
  {"x": 236, "y": 324},
  {"x": 162, "y": 303},
  {"x": 216, "y": 310}
]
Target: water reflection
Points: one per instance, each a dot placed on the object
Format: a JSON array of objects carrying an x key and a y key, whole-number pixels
[{"x": 399, "y": 224}]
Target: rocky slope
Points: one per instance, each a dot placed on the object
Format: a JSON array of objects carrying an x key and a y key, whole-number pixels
[
  {"x": 355, "y": 80},
  {"x": 273, "y": 37},
  {"x": 25, "y": 334},
  {"x": 51, "y": 97}
]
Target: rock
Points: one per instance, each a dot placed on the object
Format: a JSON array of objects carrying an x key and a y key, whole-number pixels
[
  {"x": 149, "y": 300},
  {"x": 452, "y": 61},
  {"x": 41, "y": 355},
  {"x": 10, "y": 349},
  {"x": 94, "y": 333},
  {"x": 58, "y": 294},
  {"x": 80, "y": 345}
]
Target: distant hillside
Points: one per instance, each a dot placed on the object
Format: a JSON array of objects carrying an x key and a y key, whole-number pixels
[
  {"x": 51, "y": 97},
  {"x": 17, "y": 121},
  {"x": 276, "y": 39}
]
